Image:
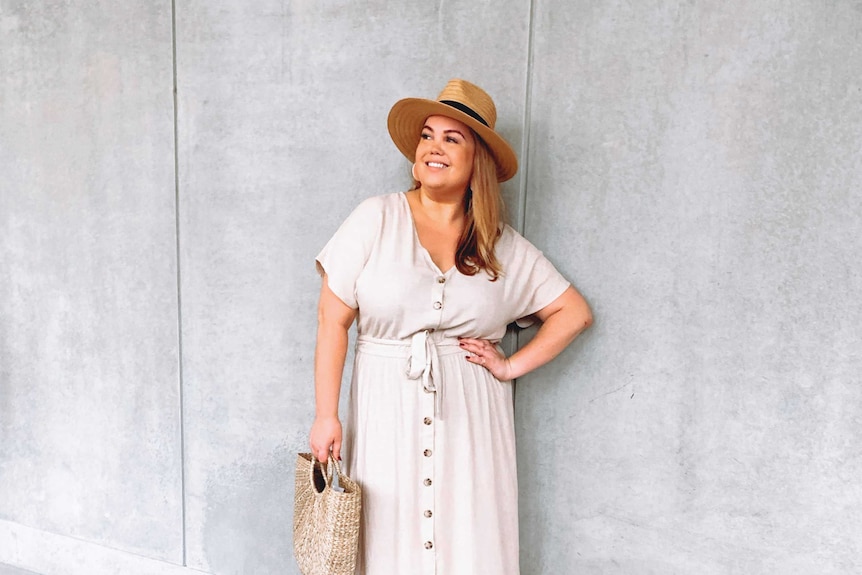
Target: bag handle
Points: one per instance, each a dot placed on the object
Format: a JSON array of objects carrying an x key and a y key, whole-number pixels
[{"x": 325, "y": 471}]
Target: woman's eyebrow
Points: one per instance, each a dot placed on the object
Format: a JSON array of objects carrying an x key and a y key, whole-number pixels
[{"x": 426, "y": 127}]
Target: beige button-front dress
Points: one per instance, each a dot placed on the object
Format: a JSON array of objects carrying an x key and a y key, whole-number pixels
[{"x": 430, "y": 437}]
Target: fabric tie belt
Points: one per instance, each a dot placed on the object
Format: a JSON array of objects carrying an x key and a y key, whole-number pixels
[{"x": 423, "y": 352}]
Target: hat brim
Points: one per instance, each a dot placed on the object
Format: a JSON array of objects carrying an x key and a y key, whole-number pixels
[{"x": 407, "y": 117}]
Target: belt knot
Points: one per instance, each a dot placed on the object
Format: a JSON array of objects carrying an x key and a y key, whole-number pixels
[{"x": 423, "y": 364}]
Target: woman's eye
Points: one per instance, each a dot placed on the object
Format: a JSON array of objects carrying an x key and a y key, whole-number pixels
[
  {"x": 452, "y": 140},
  {"x": 425, "y": 136}
]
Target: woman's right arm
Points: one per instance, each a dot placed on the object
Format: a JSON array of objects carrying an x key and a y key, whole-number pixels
[{"x": 334, "y": 318}]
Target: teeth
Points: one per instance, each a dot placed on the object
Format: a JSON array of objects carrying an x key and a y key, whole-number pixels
[{"x": 436, "y": 165}]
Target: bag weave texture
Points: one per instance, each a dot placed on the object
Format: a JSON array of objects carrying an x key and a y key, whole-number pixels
[{"x": 325, "y": 521}]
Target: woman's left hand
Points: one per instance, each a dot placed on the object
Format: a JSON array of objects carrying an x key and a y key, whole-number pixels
[{"x": 485, "y": 353}]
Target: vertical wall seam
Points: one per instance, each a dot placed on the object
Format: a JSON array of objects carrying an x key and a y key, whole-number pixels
[
  {"x": 180, "y": 380},
  {"x": 525, "y": 141},
  {"x": 525, "y": 148}
]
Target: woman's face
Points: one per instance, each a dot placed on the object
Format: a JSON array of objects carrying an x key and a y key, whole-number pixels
[{"x": 444, "y": 156}]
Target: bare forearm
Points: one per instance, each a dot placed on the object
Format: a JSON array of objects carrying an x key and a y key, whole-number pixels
[
  {"x": 557, "y": 331},
  {"x": 329, "y": 357},
  {"x": 334, "y": 318}
]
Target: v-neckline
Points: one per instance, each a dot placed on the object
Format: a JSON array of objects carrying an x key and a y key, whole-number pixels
[{"x": 422, "y": 248}]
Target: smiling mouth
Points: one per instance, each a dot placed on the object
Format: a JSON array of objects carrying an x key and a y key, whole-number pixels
[{"x": 435, "y": 165}]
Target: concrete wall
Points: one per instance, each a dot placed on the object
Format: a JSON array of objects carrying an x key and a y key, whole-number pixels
[
  {"x": 693, "y": 168},
  {"x": 89, "y": 392}
]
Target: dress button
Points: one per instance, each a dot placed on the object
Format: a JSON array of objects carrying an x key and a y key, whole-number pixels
[
  {"x": 427, "y": 453},
  {"x": 438, "y": 305},
  {"x": 441, "y": 280},
  {"x": 427, "y": 482},
  {"x": 428, "y": 545},
  {"x": 428, "y": 513},
  {"x": 427, "y": 421}
]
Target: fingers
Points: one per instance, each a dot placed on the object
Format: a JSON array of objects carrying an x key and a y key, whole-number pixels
[
  {"x": 486, "y": 354},
  {"x": 480, "y": 347},
  {"x": 325, "y": 436},
  {"x": 491, "y": 363},
  {"x": 321, "y": 452},
  {"x": 481, "y": 350}
]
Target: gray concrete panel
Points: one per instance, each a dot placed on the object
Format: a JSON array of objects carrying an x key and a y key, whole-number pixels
[
  {"x": 47, "y": 553},
  {"x": 695, "y": 169},
  {"x": 89, "y": 412},
  {"x": 282, "y": 132},
  {"x": 10, "y": 570}
]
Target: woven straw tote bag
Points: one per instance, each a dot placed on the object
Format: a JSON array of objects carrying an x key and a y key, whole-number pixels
[{"x": 325, "y": 520}]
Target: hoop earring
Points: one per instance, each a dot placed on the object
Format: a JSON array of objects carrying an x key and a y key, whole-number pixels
[{"x": 413, "y": 171}]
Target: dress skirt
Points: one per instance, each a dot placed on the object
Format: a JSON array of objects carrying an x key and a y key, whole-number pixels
[{"x": 430, "y": 438}]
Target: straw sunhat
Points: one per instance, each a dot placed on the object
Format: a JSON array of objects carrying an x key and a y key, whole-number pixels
[{"x": 462, "y": 101}]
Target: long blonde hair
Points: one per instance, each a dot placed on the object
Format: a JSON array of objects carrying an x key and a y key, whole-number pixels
[{"x": 483, "y": 209}]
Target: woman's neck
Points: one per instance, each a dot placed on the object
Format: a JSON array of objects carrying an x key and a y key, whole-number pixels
[{"x": 443, "y": 207}]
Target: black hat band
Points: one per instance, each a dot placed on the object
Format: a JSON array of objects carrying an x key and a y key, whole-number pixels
[{"x": 467, "y": 110}]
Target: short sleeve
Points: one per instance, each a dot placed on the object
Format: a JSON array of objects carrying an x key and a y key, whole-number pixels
[
  {"x": 345, "y": 255},
  {"x": 536, "y": 282}
]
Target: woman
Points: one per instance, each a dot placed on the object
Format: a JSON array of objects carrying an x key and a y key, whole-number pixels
[{"x": 433, "y": 276}]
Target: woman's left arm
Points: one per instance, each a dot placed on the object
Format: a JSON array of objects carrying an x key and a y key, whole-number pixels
[{"x": 562, "y": 321}]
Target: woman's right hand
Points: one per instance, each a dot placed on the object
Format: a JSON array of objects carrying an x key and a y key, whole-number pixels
[{"x": 325, "y": 435}]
